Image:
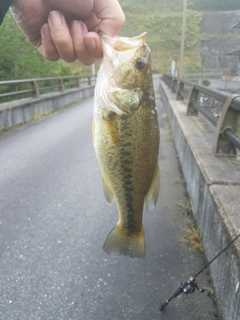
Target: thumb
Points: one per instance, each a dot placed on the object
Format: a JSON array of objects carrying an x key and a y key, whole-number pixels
[{"x": 111, "y": 16}]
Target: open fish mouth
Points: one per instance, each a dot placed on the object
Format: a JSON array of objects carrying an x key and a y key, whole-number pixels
[
  {"x": 121, "y": 47},
  {"x": 124, "y": 43}
]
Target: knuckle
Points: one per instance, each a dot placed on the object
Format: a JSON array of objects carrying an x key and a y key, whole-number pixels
[
  {"x": 50, "y": 55},
  {"x": 122, "y": 19},
  {"x": 68, "y": 58}
]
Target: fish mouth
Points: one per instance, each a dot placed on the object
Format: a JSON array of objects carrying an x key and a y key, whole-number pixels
[
  {"x": 124, "y": 43},
  {"x": 118, "y": 48}
]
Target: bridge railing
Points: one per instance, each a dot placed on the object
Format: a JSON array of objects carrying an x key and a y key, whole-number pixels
[
  {"x": 17, "y": 89},
  {"x": 220, "y": 108},
  {"x": 200, "y": 74}
]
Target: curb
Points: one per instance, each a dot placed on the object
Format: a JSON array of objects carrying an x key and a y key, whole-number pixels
[{"x": 213, "y": 185}]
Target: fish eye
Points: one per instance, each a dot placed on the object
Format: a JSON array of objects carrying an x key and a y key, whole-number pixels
[{"x": 140, "y": 63}]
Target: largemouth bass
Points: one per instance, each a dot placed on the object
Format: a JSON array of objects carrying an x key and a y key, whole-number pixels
[{"x": 126, "y": 138}]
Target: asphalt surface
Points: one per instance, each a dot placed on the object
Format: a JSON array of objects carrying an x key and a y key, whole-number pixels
[
  {"x": 54, "y": 220},
  {"x": 224, "y": 85}
]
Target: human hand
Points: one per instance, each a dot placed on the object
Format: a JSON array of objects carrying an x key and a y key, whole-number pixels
[{"x": 68, "y": 29}]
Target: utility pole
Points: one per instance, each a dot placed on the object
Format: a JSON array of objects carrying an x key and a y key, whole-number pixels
[{"x": 184, "y": 18}]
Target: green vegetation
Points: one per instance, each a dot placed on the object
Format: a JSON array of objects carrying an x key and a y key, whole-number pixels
[
  {"x": 19, "y": 60},
  {"x": 162, "y": 20},
  {"x": 206, "y": 82},
  {"x": 179, "y": 180},
  {"x": 192, "y": 238},
  {"x": 185, "y": 207},
  {"x": 164, "y": 32}
]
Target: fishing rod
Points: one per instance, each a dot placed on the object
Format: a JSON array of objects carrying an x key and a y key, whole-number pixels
[{"x": 191, "y": 285}]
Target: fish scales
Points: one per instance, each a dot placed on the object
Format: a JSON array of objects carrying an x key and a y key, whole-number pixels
[{"x": 126, "y": 140}]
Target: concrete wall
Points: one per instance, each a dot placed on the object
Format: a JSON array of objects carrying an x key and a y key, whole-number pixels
[
  {"x": 23, "y": 110},
  {"x": 213, "y": 185},
  {"x": 222, "y": 39}
]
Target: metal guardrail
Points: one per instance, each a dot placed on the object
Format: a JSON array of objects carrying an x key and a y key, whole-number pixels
[
  {"x": 16, "y": 89},
  {"x": 226, "y": 139}
]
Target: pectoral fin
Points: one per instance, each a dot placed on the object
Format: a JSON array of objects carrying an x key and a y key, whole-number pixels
[
  {"x": 112, "y": 127},
  {"x": 152, "y": 195},
  {"x": 124, "y": 99},
  {"x": 107, "y": 191}
]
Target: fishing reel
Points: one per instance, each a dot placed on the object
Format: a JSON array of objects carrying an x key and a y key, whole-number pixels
[
  {"x": 188, "y": 287},
  {"x": 191, "y": 285}
]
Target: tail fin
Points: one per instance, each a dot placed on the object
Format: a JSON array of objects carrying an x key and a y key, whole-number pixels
[{"x": 126, "y": 245}]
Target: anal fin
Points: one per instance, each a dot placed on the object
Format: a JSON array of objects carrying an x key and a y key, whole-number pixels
[
  {"x": 152, "y": 195},
  {"x": 107, "y": 191}
]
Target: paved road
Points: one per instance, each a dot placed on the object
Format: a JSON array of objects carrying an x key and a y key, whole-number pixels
[
  {"x": 54, "y": 220},
  {"x": 223, "y": 85}
]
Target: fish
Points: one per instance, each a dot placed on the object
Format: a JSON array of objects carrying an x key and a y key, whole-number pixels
[{"x": 126, "y": 138}]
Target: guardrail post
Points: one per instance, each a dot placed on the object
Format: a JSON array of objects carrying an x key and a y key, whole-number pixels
[
  {"x": 89, "y": 81},
  {"x": 76, "y": 83},
  {"x": 180, "y": 89},
  {"x": 61, "y": 84},
  {"x": 174, "y": 85},
  {"x": 79, "y": 81},
  {"x": 191, "y": 111},
  {"x": 168, "y": 80},
  {"x": 35, "y": 88},
  {"x": 229, "y": 119}
]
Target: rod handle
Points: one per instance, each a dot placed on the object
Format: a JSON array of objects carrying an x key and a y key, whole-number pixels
[{"x": 163, "y": 305}]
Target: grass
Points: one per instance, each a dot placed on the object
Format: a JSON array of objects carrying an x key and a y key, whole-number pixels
[
  {"x": 39, "y": 116},
  {"x": 6, "y": 129},
  {"x": 165, "y": 115},
  {"x": 192, "y": 238},
  {"x": 163, "y": 26},
  {"x": 209, "y": 290},
  {"x": 216, "y": 315},
  {"x": 184, "y": 206},
  {"x": 170, "y": 138},
  {"x": 179, "y": 180}
]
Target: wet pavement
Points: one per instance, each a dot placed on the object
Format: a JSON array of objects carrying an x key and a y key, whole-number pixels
[{"x": 54, "y": 220}]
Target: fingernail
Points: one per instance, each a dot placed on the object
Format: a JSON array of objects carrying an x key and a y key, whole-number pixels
[
  {"x": 46, "y": 31},
  {"x": 76, "y": 29},
  {"x": 55, "y": 18}
]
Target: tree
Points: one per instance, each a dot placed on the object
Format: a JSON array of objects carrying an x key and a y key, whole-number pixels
[{"x": 19, "y": 60}]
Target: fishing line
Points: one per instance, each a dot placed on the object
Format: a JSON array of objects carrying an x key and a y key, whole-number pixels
[{"x": 191, "y": 284}]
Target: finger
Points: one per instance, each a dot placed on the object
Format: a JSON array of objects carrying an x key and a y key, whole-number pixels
[
  {"x": 61, "y": 37},
  {"x": 87, "y": 45},
  {"x": 93, "y": 44},
  {"x": 30, "y": 16},
  {"x": 111, "y": 15},
  {"x": 47, "y": 47}
]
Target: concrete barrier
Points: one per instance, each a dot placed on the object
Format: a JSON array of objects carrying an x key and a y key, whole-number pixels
[
  {"x": 23, "y": 110},
  {"x": 213, "y": 185}
]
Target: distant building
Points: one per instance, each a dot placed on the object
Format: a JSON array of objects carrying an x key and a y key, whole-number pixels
[
  {"x": 220, "y": 49},
  {"x": 237, "y": 51}
]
